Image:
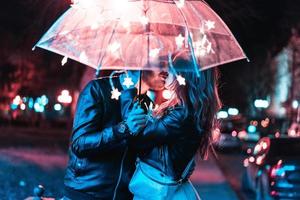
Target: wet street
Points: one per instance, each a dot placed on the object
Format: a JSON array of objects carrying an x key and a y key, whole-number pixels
[
  {"x": 231, "y": 165},
  {"x": 28, "y": 160}
]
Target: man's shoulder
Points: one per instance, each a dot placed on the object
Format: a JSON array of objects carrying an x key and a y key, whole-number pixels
[
  {"x": 98, "y": 83},
  {"x": 103, "y": 80}
]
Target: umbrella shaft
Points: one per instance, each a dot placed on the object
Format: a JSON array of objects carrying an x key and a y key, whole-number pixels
[{"x": 140, "y": 86}]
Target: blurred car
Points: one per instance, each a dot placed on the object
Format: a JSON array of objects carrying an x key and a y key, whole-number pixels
[
  {"x": 229, "y": 130},
  {"x": 273, "y": 169},
  {"x": 258, "y": 128},
  {"x": 294, "y": 130}
]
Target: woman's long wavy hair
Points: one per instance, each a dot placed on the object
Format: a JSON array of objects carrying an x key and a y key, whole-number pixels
[{"x": 200, "y": 98}]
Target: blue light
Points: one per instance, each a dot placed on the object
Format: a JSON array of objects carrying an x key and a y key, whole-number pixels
[
  {"x": 222, "y": 115},
  {"x": 295, "y": 104},
  {"x": 289, "y": 167},
  {"x": 251, "y": 129},
  {"x": 13, "y": 106},
  {"x": 57, "y": 107},
  {"x": 39, "y": 108},
  {"x": 44, "y": 100},
  {"x": 30, "y": 103},
  {"x": 233, "y": 111},
  {"x": 38, "y": 100},
  {"x": 260, "y": 103}
]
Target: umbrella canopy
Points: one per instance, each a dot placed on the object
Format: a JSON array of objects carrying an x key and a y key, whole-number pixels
[{"x": 134, "y": 35}]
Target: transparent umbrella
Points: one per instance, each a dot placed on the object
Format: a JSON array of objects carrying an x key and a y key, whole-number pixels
[{"x": 130, "y": 34}]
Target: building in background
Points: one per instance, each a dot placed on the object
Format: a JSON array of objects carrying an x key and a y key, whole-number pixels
[{"x": 285, "y": 99}]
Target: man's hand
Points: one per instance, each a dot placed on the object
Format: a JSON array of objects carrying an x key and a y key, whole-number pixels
[{"x": 136, "y": 119}]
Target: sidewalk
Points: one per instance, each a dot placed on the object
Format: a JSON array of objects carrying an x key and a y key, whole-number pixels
[{"x": 210, "y": 182}]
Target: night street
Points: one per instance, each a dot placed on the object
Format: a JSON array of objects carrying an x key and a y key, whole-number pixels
[
  {"x": 93, "y": 90},
  {"x": 29, "y": 161}
]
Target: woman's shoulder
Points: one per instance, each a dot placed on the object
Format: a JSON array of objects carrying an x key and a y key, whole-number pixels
[{"x": 177, "y": 110}]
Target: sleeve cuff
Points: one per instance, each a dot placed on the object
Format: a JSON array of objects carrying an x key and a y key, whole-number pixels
[{"x": 121, "y": 131}]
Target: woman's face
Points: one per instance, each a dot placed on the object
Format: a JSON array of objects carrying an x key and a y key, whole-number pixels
[
  {"x": 160, "y": 78},
  {"x": 170, "y": 79}
]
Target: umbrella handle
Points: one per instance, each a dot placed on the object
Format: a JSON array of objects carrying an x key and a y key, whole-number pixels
[{"x": 140, "y": 86}]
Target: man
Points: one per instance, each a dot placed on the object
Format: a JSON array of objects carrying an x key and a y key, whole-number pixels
[{"x": 101, "y": 162}]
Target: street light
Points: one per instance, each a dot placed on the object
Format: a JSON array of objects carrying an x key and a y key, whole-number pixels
[
  {"x": 23, "y": 106},
  {"x": 222, "y": 115},
  {"x": 64, "y": 97},
  {"x": 57, "y": 107},
  {"x": 17, "y": 100},
  {"x": 233, "y": 111},
  {"x": 38, "y": 107},
  {"x": 260, "y": 103},
  {"x": 295, "y": 104}
]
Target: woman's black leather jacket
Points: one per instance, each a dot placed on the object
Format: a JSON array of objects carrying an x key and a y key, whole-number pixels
[{"x": 168, "y": 143}]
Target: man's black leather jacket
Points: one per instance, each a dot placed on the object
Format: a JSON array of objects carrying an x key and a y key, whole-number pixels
[{"x": 100, "y": 163}]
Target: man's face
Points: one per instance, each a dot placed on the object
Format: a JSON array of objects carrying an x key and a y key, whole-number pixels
[{"x": 156, "y": 80}]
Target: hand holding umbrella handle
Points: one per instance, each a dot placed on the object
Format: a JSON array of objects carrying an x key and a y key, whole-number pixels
[
  {"x": 136, "y": 119},
  {"x": 141, "y": 87}
]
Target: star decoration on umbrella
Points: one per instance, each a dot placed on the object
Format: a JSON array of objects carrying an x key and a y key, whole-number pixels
[
  {"x": 144, "y": 20},
  {"x": 209, "y": 48},
  {"x": 83, "y": 58},
  {"x": 125, "y": 24},
  {"x": 127, "y": 82},
  {"x": 179, "y": 41},
  {"x": 64, "y": 61},
  {"x": 115, "y": 94},
  {"x": 203, "y": 46},
  {"x": 64, "y": 33},
  {"x": 180, "y": 4},
  {"x": 180, "y": 80},
  {"x": 209, "y": 24},
  {"x": 154, "y": 52},
  {"x": 200, "y": 51},
  {"x": 114, "y": 47}
]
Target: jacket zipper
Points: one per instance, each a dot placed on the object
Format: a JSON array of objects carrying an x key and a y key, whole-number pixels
[
  {"x": 160, "y": 153},
  {"x": 120, "y": 173},
  {"x": 165, "y": 160},
  {"x": 162, "y": 158}
]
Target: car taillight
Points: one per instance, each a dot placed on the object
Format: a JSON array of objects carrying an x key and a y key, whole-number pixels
[
  {"x": 260, "y": 159},
  {"x": 273, "y": 172},
  {"x": 274, "y": 193},
  {"x": 277, "y": 170},
  {"x": 234, "y": 133}
]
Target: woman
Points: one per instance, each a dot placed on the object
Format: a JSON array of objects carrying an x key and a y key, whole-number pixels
[{"x": 177, "y": 129}]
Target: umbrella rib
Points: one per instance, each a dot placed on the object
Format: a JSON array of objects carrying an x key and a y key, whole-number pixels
[
  {"x": 75, "y": 27},
  {"x": 189, "y": 39},
  {"x": 228, "y": 30},
  {"x": 111, "y": 36}
]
